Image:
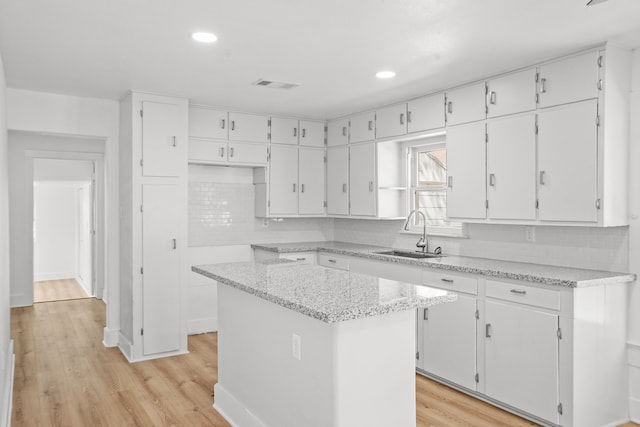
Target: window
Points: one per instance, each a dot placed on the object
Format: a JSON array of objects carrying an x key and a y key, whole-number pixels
[{"x": 428, "y": 168}]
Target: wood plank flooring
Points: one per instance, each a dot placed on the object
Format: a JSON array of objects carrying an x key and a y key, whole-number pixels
[
  {"x": 66, "y": 377},
  {"x": 57, "y": 290}
]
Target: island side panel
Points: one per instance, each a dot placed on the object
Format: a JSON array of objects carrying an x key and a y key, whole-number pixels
[{"x": 260, "y": 383}]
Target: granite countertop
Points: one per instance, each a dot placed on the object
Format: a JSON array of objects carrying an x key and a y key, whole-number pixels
[
  {"x": 323, "y": 293},
  {"x": 536, "y": 273}
]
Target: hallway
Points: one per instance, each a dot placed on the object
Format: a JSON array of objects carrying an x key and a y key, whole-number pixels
[{"x": 57, "y": 290}]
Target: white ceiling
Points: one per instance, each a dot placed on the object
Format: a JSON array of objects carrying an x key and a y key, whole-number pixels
[{"x": 103, "y": 48}]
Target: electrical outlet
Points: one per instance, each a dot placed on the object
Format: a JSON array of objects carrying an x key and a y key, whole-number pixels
[
  {"x": 296, "y": 347},
  {"x": 530, "y": 234}
]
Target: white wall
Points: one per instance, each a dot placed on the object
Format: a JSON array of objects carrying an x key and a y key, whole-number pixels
[
  {"x": 6, "y": 346},
  {"x": 69, "y": 115},
  {"x": 55, "y": 231},
  {"x": 62, "y": 170},
  {"x": 634, "y": 239}
]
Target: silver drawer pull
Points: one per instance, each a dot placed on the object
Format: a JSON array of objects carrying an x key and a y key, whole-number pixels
[
  {"x": 370, "y": 127},
  {"x": 332, "y": 260},
  {"x": 447, "y": 280},
  {"x": 344, "y": 188},
  {"x": 175, "y": 244},
  {"x": 344, "y": 131},
  {"x": 519, "y": 292},
  {"x": 425, "y": 314},
  {"x": 543, "y": 89},
  {"x": 222, "y": 123},
  {"x": 174, "y": 141},
  {"x": 487, "y": 330},
  {"x": 300, "y": 259}
]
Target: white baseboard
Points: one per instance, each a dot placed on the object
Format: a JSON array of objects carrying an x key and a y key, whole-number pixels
[
  {"x": 232, "y": 409},
  {"x": 634, "y": 410},
  {"x": 202, "y": 326},
  {"x": 110, "y": 337},
  {"x": 7, "y": 388},
  {"x": 125, "y": 346},
  {"x": 54, "y": 276}
]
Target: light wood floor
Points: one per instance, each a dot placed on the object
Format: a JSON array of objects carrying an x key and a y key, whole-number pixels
[
  {"x": 66, "y": 377},
  {"x": 57, "y": 290}
]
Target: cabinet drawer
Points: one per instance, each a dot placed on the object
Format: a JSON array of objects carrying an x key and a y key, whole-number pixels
[
  {"x": 530, "y": 295},
  {"x": 303, "y": 257},
  {"x": 328, "y": 260},
  {"x": 201, "y": 150},
  {"x": 453, "y": 282}
]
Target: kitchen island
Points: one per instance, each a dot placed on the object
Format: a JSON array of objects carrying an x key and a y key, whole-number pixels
[{"x": 302, "y": 345}]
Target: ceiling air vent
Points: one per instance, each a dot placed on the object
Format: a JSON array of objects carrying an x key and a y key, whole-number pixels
[{"x": 274, "y": 84}]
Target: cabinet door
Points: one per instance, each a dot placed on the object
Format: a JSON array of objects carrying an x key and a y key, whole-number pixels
[
  {"x": 521, "y": 358},
  {"x": 311, "y": 181},
  {"x": 513, "y": 93},
  {"x": 247, "y": 153},
  {"x": 284, "y": 131},
  {"x": 391, "y": 121},
  {"x": 567, "y": 163},
  {"x": 208, "y": 123},
  {"x": 362, "y": 173},
  {"x": 466, "y": 190},
  {"x": 161, "y": 263},
  {"x": 283, "y": 180},
  {"x": 338, "y": 132},
  {"x": 311, "y": 133},
  {"x": 338, "y": 181},
  {"x": 362, "y": 127},
  {"x": 207, "y": 151},
  {"x": 449, "y": 340},
  {"x": 569, "y": 80},
  {"x": 466, "y": 104},
  {"x": 163, "y": 150},
  {"x": 248, "y": 127},
  {"x": 511, "y": 168},
  {"x": 426, "y": 113}
]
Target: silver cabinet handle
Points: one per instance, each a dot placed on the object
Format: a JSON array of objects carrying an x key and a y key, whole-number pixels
[
  {"x": 175, "y": 244},
  {"x": 294, "y": 187},
  {"x": 487, "y": 330},
  {"x": 408, "y": 116},
  {"x": 600, "y": 84},
  {"x": 450, "y": 182},
  {"x": 233, "y": 125},
  {"x": 446, "y": 280},
  {"x": 300, "y": 259},
  {"x": 492, "y": 180},
  {"x": 221, "y": 151},
  {"x": 543, "y": 89},
  {"x": 332, "y": 261},
  {"x": 295, "y": 131},
  {"x": 174, "y": 141},
  {"x": 344, "y": 131},
  {"x": 542, "y": 177},
  {"x": 304, "y": 133},
  {"x": 370, "y": 125},
  {"x": 492, "y": 98},
  {"x": 401, "y": 118},
  {"x": 517, "y": 291},
  {"x": 450, "y": 107},
  {"x": 344, "y": 188},
  {"x": 302, "y": 188},
  {"x": 425, "y": 314},
  {"x": 231, "y": 152},
  {"x": 370, "y": 186},
  {"x": 222, "y": 123}
]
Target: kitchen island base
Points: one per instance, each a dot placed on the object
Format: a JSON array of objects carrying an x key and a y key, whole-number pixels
[{"x": 354, "y": 372}]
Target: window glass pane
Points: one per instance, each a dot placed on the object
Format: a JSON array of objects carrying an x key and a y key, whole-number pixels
[
  {"x": 434, "y": 205},
  {"x": 432, "y": 168}
]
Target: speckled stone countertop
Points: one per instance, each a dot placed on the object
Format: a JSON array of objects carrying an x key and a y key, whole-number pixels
[
  {"x": 536, "y": 273},
  {"x": 323, "y": 293}
]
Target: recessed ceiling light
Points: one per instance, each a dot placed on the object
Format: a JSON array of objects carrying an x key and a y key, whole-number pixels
[
  {"x": 203, "y": 37},
  {"x": 385, "y": 74}
]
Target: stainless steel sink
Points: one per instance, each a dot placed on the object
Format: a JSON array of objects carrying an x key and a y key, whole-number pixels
[{"x": 411, "y": 254}]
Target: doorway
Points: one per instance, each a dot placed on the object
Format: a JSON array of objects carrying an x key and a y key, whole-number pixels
[{"x": 64, "y": 245}]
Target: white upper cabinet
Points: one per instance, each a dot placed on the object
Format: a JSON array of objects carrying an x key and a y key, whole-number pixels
[
  {"x": 248, "y": 127},
  {"x": 426, "y": 113},
  {"x": 338, "y": 132},
  {"x": 466, "y": 104},
  {"x": 283, "y": 184},
  {"x": 208, "y": 123},
  {"x": 207, "y": 151},
  {"x": 466, "y": 191},
  {"x": 311, "y": 181},
  {"x": 362, "y": 179},
  {"x": 511, "y": 168},
  {"x": 164, "y": 148},
  {"x": 362, "y": 127},
  {"x": 569, "y": 80},
  {"x": 513, "y": 93},
  {"x": 338, "y": 181},
  {"x": 284, "y": 131},
  {"x": 391, "y": 121},
  {"x": 247, "y": 154},
  {"x": 568, "y": 163},
  {"x": 311, "y": 133}
]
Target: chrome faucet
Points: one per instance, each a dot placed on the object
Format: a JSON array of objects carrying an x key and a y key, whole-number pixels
[{"x": 422, "y": 243}]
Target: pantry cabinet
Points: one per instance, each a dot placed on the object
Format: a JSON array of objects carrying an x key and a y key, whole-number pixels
[
  {"x": 571, "y": 79},
  {"x": 391, "y": 121},
  {"x": 362, "y": 127},
  {"x": 466, "y": 189},
  {"x": 362, "y": 179},
  {"x": 466, "y": 104},
  {"x": 338, "y": 132},
  {"x": 338, "y": 181},
  {"x": 426, "y": 113},
  {"x": 512, "y": 93},
  {"x": 248, "y": 127},
  {"x": 163, "y": 147}
]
